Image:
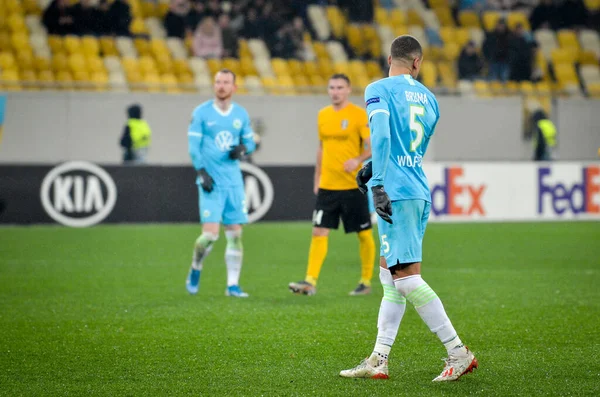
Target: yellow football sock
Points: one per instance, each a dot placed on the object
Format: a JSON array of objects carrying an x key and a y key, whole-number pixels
[
  {"x": 367, "y": 256},
  {"x": 316, "y": 257}
]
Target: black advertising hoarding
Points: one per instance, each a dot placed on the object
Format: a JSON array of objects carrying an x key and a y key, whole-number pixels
[{"x": 81, "y": 194}]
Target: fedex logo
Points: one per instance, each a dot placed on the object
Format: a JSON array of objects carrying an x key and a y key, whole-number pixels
[
  {"x": 454, "y": 197},
  {"x": 580, "y": 197}
]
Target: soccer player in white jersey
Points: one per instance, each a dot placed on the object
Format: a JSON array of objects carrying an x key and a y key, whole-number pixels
[
  {"x": 219, "y": 135},
  {"x": 402, "y": 116}
]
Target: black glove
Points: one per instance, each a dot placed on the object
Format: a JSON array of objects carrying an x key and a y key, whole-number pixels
[
  {"x": 206, "y": 180},
  {"x": 238, "y": 152},
  {"x": 363, "y": 176},
  {"x": 383, "y": 205}
]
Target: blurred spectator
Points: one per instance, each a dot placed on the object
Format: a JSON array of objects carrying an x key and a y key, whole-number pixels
[
  {"x": 208, "y": 42},
  {"x": 136, "y": 137},
  {"x": 268, "y": 20},
  {"x": 175, "y": 20},
  {"x": 544, "y": 15},
  {"x": 119, "y": 15},
  {"x": 213, "y": 8},
  {"x": 520, "y": 55},
  {"x": 470, "y": 63},
  {"x": 543, "y": 133},
  {"x": 573, "y": 14},
  {"x": 237, "y": 16},
  {"x": 496, "y": 51},
  {"x": 283, "y": 44},
  {"x": 196, "y": 14},
  {"x": 58, "y": 18},
  {"x": 86, "y": 18},
  {"x": 104, "y": 22},
  {"x": 358, "y": 11},
  {"x": 230, "y": 43},
  {"x": 252, "y": 28}
]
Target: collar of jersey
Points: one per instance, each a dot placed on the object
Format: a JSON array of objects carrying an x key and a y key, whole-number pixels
[{"x": 222, "y": 113}]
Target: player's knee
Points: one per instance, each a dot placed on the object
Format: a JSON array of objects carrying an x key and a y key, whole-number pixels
[
  {"x": 234, "y": 238},
  {"x": 320, "y": 232},
  {"x": 209, "y": 236},
  {"x": 366, "y": 237}
]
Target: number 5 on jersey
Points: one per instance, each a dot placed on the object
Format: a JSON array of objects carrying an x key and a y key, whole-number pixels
[
  {"x": 384, "y": 244},
  {"x": 416, "y": 126}
]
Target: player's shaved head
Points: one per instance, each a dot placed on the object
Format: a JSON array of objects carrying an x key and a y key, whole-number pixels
[{"x": 406, "y": 52}]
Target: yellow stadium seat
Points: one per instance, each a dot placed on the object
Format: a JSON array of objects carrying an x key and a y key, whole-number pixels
[
  {"x": 317, "y": 81},
  {"x": 593, "y": 90},
  {"x": 342, "y": 67},
  {"x": 108, "y": 46},
  {"x": 497, "y": 88},
  {"x": 320, "y": 50},
  {"x": 77, "y": 63},
  {"x": 374, "y": 70},
  {"x": 526, "y": 87},
  {"x": 181, "y": 67},
  {"x": 165, "y": 64},
  {"x": 95, "y": 65},
  {"x": 355, "y": 39},
  {"x": 515, "y": 18},
  {"x": 16, "y": 24},
  {"x": 398, "y": 17},
  {"x": 587, "y": 57},
  {"x": 25, "y": 60},
  {"x": 7, "y": 61},
  {"x": 46, "y": 78},
  {"x": 469, "y": 19},
  {"x": 286, "y": 85},
  {"x": 28, "y": 76},
  {"x": 5, "y": 40},
  {"x": 20, "y": 42},
  {"x": 60, "y": 63},
  {"x": 136, "y": 8},
  {"x": 336, "y": 21},
  {"x": 247, "y": 67},
  {"x": 270, "y": 83},
  {"x": 561, "y": 56},
  {"x": 543, "y": 88},
  {"x": 147, "y": 65},
  {"x": 13, "y": 6},
  {"x": 429, "y": 74},
  {"x": 400, "y": 30},
  {"x": 490, "y": 20},
  {"x": 301, "y": 83},
  {"x": 414, "y": 18},
  {"x": 42, "y": 64},
  {"x": 142, "y": 46},
  {"x": 361, "y": 82},
  {"x": 296, "y": 67},
  {"x": 444, "y": 16},
  {"x": 56, "y": 44},
  {"x": 244, "y": 49},
  {"x": 451, "y": 51},
  {"x": 170, "y": 83},
  {"x": 592, "y": 5},
  {"x": 151, "y": 82},
  {"x": 381, "y": 16},
  {"x": 482, "y": 89},
  {"x": 159, "y": 47},
  {"x": 81, "y": 76},
  {"x": 280, "y": 66},
  {"x": 358, "y": 68},
  {"x": 325, "y": 69},
  {"x": 311, "y": 68},
  {"x": 565, "y": 74},
  {"x": 233, "y": 65},
  {"x": 149, "y": 9},
  {"x": 138, "y": 27},
  {"x": 447, "y": 74},
  {"x": 10, "y": 80},
  {"x": 214, "y": 65},
  {"x": 73, "y": 45},
  {"x": 31, "y": 7},
  {"x": 448, "y": 34},
  {"x": 163, "y": 8},
  {"x": 567, "y": 39},
  {"x": 99, "y": 81},
  {"x": 462, "y": 36}
]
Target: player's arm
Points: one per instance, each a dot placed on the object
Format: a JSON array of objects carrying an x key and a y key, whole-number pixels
[
  {"x": 379, "y": 121},
  {"x": 247, "y": 144},
  {"x": 195, "y": 134},
  {"x": 317, "y": 179}
]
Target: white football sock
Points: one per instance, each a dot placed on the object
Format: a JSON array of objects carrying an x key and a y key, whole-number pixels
[
  {"x": 391, "y": 311},
  {"x": 202, "y": 248},
  {"x": 430, "y": 308},
  {"x": 233, "y": 256}
]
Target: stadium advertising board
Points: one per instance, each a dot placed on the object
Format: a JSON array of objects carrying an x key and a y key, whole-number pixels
[{"x": 81, "y": 194}]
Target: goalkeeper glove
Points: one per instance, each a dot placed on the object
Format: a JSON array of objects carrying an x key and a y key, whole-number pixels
[
  {"x": 363, "y": 176},
  {"x": 383, "y": 205},
  {"x": 206, "y": 180},
  {"x": 238, "y": 152}
]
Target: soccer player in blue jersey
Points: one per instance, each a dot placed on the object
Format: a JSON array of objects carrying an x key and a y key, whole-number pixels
[
  {"x": 402, "y": 116},
  {"x": 220, "y": 135}
]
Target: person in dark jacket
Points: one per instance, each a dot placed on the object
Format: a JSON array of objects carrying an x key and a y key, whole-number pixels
[
  {"x": 87, "y": 18},
  {"x": 470, "y": 63},
  {"x": 58, "y": 18},
  {"x": 544, "y": 15},
  {"x": 136, "y": 136},
  {"x": 496, "y": 51},
  {"x": 520, "y": 56},
  {"x": 176, "y": 19},
  {"x": 119, "y": 14}
]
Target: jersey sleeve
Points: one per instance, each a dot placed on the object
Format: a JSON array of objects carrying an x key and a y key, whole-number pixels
[
  {"x": 195, "y": 134},
  {"x": 375, "y": 102},
  {"x": 248, "y": 134}
]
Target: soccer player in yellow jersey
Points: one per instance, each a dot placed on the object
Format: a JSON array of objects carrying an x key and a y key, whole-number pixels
[{"x": 344, "y": 143}]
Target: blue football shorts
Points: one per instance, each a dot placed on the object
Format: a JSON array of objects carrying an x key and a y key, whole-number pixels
[
  {"x": 223, "y": 205},
  {"x": 402, "y": 241}
]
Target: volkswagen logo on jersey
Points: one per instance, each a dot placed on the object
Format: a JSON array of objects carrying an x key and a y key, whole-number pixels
[
  {"x": 78, "y": 194},
  {"x": 224, "y": 141},
  {"x": 259, "y": 191}
]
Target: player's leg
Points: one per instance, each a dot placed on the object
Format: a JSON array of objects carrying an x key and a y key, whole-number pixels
[
  {"x": 404, "y": 250},
  {"x": 234, "y": 216},
  {"x": 391, "y": 311},
  {"x": 210, "y": 205},
  {"x": 356, "y": 218},
  {"x": 326, "y": 216}
]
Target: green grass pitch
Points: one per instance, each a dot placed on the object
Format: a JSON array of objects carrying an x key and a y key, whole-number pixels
[{"x": 104, "y": 311}]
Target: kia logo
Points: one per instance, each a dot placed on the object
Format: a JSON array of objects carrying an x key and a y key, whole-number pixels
[
  {"x": 78, "y": 194},
  {"x": 259, "y": 191}
]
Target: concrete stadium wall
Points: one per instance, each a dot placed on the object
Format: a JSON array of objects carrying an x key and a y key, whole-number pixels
[{"x": 55, "y": 127}]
